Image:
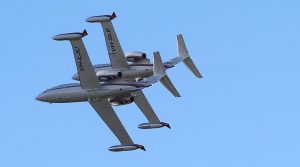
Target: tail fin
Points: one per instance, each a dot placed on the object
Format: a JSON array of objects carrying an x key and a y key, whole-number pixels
[
  {"x": 158, "y": 69},
  {"x": 184, "y": 55}
]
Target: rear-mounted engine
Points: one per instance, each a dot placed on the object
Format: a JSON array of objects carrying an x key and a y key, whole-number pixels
[
  {"x": 135, "y": 56},
  {"x": 121, "y": 101},
  {"x": 109, "y": 77}
]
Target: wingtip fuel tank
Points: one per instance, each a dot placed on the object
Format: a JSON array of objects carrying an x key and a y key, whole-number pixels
[
  {"x": 70, "y": 36},
  {"x": 118, "y": 148},
  {"x": 101, "y": 18},
  {"x": 154, "y": 125}
]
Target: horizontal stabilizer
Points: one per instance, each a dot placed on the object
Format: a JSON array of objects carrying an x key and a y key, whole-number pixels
[
  {"x": 191, "y": 66},
  {"x": 159, "y": 70},
  {"x": 169, "y": 85}
]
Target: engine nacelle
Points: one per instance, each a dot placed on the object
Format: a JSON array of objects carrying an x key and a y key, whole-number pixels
[
  {"x": 108, "y": 77},
  {"x": 121, "y": 100},
  {"x": 135, "y": 56}
]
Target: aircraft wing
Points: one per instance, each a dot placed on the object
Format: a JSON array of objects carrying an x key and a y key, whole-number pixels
[
  {"x": 115, "y": 52},
  {"x": 86, "y": 72},
  {"x": 108, "y": 115},
  {"x": 143, "y": 104}
]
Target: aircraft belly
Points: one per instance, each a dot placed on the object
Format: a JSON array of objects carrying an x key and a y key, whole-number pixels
[
  {"x": 115, "y": 90},
  {"x": 77, "y": 94}
]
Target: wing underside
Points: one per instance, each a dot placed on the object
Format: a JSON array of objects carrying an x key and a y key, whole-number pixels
[
  {"x": 85, "y": 70},
  {"x": 143, "y": 104},
  {"x": 115, "y": 52},
  {"x": 88, "y": 80},
  {"x": 106, "y": 112}
]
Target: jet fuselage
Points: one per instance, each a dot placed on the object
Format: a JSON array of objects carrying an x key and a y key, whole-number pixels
[
  {"x": 67, "y": 93},
  {"x": 135, "y": 71}
]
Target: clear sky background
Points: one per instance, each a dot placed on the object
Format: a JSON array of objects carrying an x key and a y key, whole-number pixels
[{"x": 244, "y": 112}]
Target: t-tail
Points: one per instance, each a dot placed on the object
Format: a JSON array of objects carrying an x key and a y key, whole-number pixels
[
  {"x": 159, "y": 70},
  {"x": 184, "y": 56},
  {"x": 183, "y": 53}
]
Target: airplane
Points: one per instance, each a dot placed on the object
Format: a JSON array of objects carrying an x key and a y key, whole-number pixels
[
  {"x": 100, "y": 94},
  {"x": 133, "y": 65}
]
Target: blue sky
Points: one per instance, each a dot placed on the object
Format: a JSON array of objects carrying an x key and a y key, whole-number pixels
[{"x": 244, "y": 112}]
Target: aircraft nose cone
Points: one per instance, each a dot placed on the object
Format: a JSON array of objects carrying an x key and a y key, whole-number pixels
[
  {"x": 41, "y": 97},
  {"x": 75, "y": 77}
]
